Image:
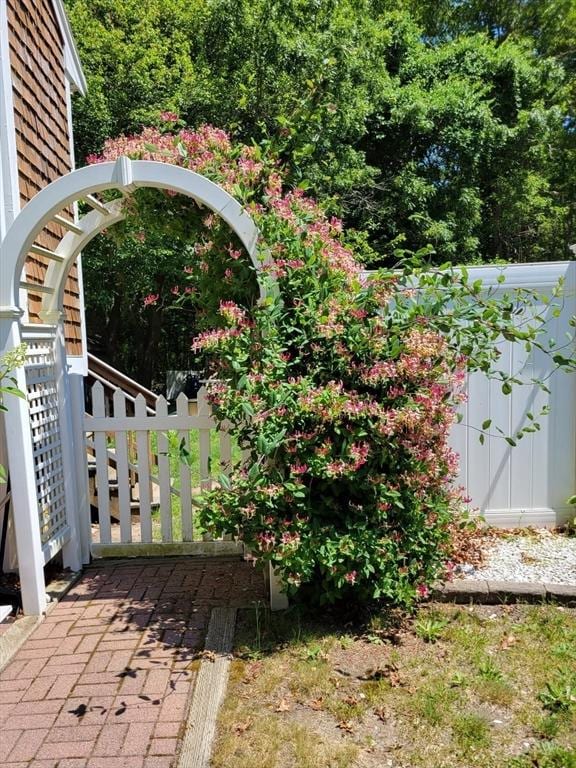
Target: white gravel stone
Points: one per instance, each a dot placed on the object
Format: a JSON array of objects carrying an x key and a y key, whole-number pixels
[{"x": 545, "y": 557}]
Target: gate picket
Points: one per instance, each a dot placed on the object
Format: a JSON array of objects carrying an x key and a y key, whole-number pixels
[
  {"x": 144, "y": 487},
  {"x": 182, "y": 409},
  {"x": 225, "y": 450},
  {"x": 122, "y": 471},
  {"x": 164, "y": 474},
  {"x": 204, "y": 443},
  {"x": 101, "y": 451}
]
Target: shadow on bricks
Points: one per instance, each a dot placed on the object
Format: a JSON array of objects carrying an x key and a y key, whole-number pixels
[{"x": 105, "y": 681}]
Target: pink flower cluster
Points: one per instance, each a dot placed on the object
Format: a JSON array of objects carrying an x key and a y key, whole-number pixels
[
  {"x": 213, "y": 339},
  {"x": 232, "y": 312}
]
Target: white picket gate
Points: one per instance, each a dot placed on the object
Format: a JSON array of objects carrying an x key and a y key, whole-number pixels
[{"x": 144, "y": 493}]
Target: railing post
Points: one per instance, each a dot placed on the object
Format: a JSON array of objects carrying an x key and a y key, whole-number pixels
[
  {"x": 76, "y": 387},
  {"x": 23, "y": 478}
]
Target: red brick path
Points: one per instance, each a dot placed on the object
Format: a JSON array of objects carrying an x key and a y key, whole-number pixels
[{"x": 105, "y": 680}]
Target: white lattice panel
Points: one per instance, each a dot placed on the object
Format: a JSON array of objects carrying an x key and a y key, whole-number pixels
[{"x": 41, "y": 384}]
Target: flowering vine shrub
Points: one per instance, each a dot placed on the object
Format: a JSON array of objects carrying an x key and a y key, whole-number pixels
[{"x": 340, "y": 389}]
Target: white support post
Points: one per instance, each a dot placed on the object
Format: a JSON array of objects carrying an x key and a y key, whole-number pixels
[
  {"x": 71, "y": 551},
  {"x": 278, "y": 598},
  {"x": 23, "y": 478},
  {"x": 76, "y": 384}
]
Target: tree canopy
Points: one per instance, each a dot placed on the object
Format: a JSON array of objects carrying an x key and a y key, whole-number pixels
[{"x": 444, "y": 124}]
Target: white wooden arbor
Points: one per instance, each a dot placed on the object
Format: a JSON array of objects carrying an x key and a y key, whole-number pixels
[{"x": 60, "y": 466}]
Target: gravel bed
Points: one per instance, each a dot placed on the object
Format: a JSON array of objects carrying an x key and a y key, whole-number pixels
[{"x": 542, "y": 556}]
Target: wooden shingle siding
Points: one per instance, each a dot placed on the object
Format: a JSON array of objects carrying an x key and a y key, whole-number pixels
[{"x": 42, "y": 140}]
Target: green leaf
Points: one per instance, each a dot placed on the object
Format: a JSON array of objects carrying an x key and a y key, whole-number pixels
[
  {"x": 254, "y": 472},
  {"x": 486, "y": 424},
  {"x": 511, "y": 441},
  {"x": 562, "y": 360},
  {"x": 14, "y": 391},
  {"x": 506, "y": 388},
  {"x": 224, "y": 481}
]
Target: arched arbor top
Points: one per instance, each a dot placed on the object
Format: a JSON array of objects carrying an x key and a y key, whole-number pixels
[{"x": 124, "y": 175}]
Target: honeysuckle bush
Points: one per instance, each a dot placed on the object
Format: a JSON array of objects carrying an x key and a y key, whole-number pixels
[{"x": 340, "y": 388}]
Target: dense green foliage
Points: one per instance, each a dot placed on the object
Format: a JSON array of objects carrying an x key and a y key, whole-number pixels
[
  {"x": 340, "y": 390},
  {"x": 448, "y": 124}
]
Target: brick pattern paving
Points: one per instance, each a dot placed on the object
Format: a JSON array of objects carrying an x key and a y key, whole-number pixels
[{"x": 105, "y": 681}]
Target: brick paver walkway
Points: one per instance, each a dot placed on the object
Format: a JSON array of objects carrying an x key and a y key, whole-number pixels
[{"x": 105, "y": 681}]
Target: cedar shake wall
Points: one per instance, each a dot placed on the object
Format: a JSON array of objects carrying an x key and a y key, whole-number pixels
[{"x": 42, "y": 141}]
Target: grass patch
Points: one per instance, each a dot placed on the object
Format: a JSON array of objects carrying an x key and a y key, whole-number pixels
[
  {"x": 470, "y": 731},
  {"x": 449, "y": 688},
  {"x": 545, "y": 756}
]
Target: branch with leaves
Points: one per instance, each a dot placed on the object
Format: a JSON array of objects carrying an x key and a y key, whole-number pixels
[{"x": 9, "y": 362}]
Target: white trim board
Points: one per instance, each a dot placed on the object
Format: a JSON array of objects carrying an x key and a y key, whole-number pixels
[
  {"x": 9, "y": 188},
  {"x": 72, "y": 64}
]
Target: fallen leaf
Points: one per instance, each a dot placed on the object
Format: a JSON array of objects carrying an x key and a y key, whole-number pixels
[
  {"x": 252, "y": 672},
  {"x": 507, "y": 642},
  {"x": 350, "y": 700},
  {"x": 241, "y": 728},
  {"x": 382, "y": 714},
  {"x": 389, "y": 671},
  {"x": 316, "y": 704},
  {"x": 283, "y": 706},
  {"x": 208, "y": 656},
  {"x": 345, "y": 725}
]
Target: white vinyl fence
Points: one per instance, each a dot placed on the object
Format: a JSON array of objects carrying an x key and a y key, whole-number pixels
[
  {"x": 143, "y": 494},
  {"x": 528, "y": 484}
]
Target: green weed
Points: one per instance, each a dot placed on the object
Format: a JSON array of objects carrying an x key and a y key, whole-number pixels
[
  {"x": 559, "y": 694},
  {"x": 430, "y": 628},
  {"x": 547, "y": 755}
]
